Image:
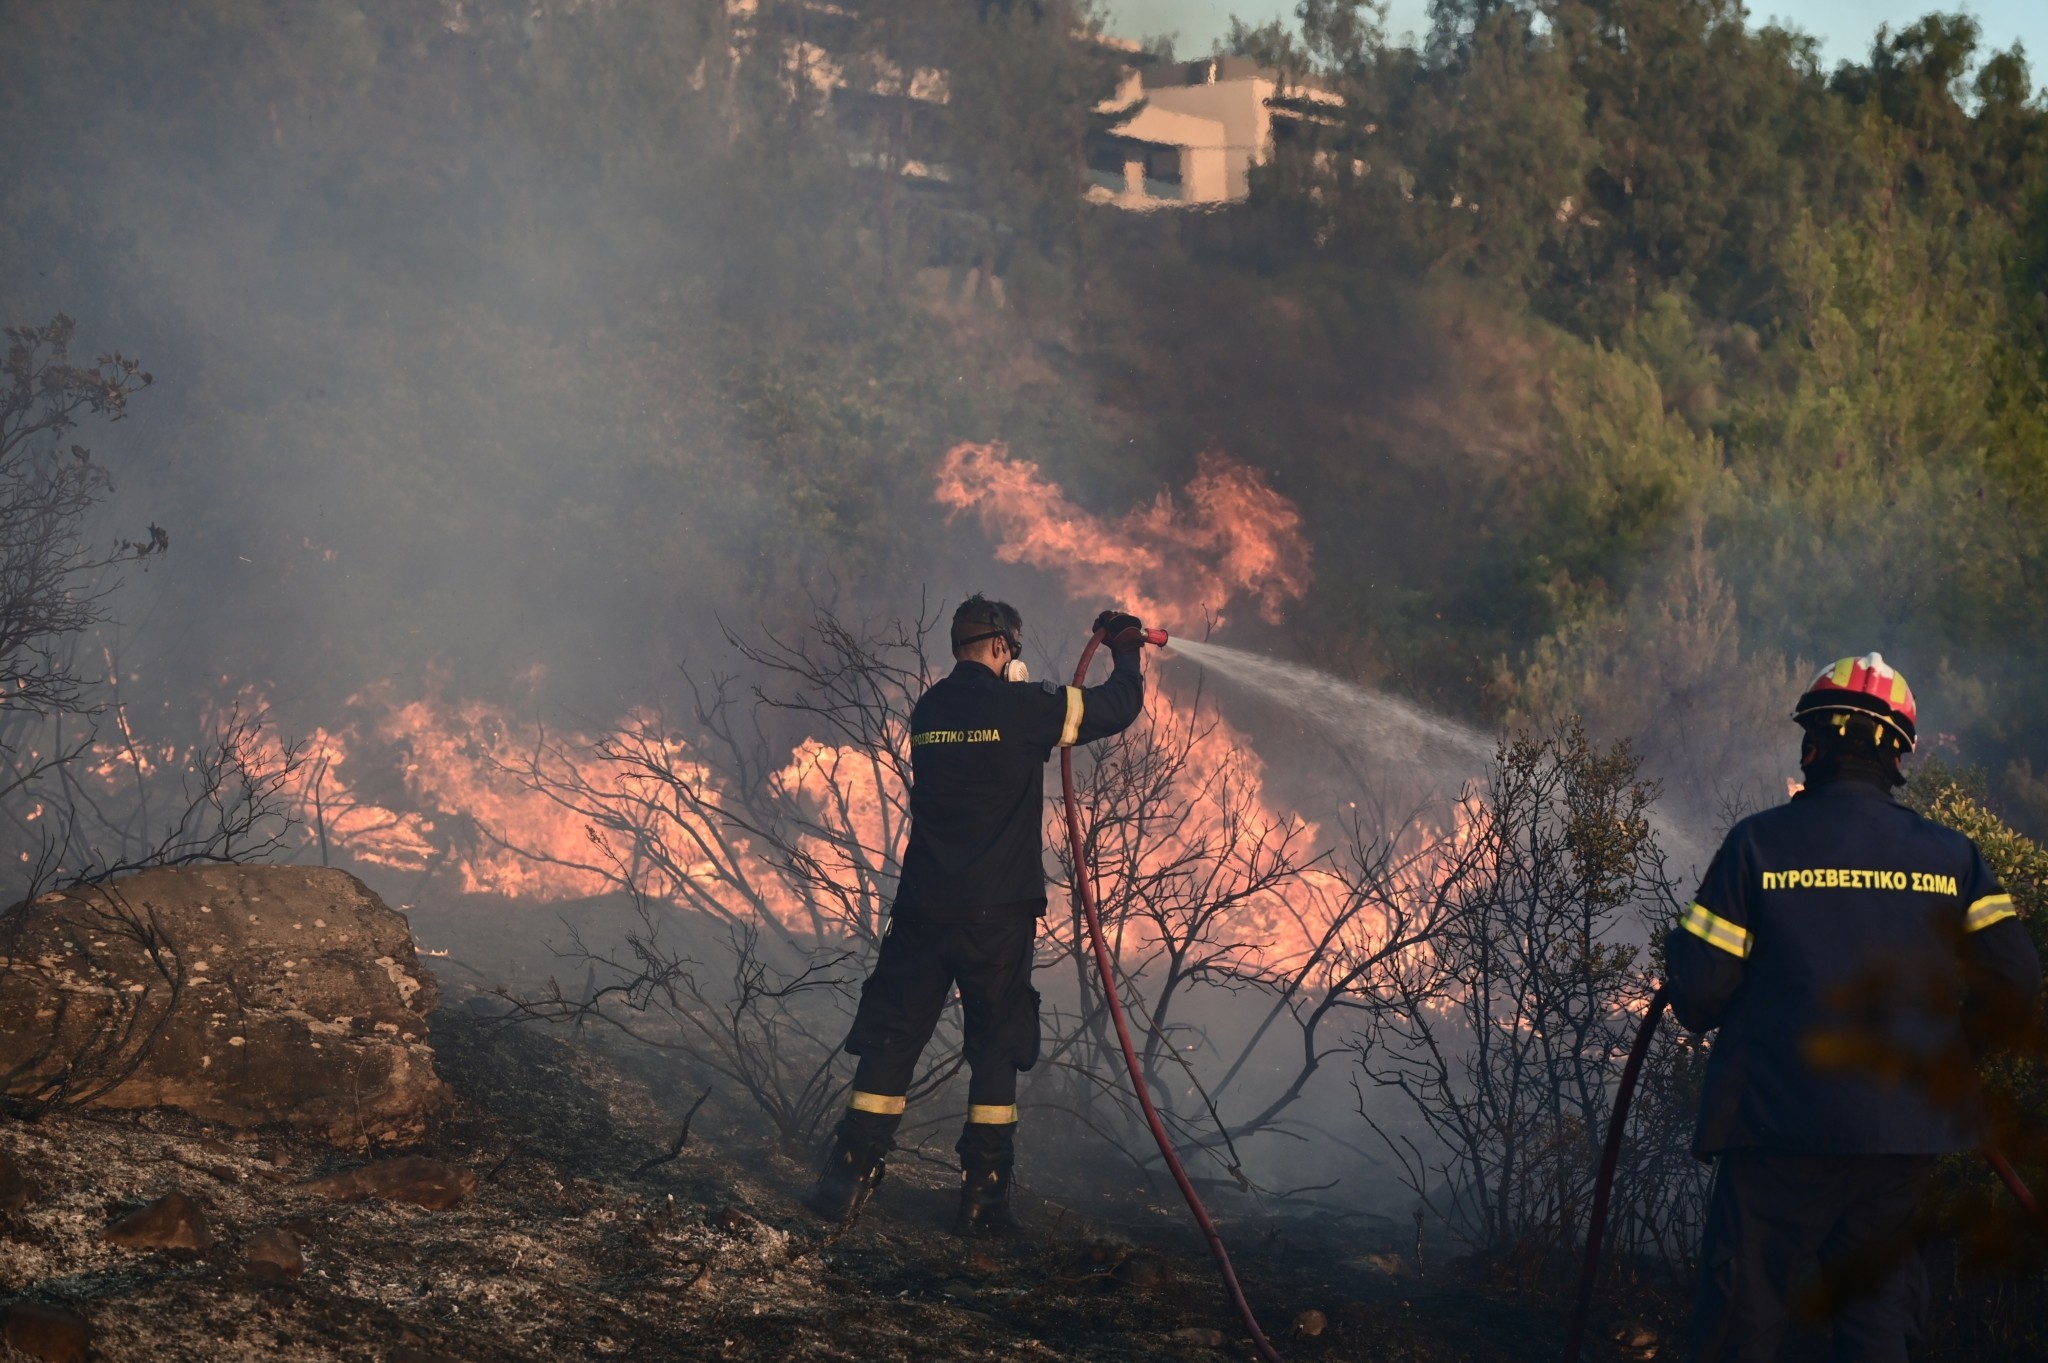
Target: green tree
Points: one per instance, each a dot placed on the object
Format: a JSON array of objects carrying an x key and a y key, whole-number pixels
[{"x": 1871, "y": 513}]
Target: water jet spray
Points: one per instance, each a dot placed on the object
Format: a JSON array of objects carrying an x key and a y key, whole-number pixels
[
  {"x": 1084, "y": 888},
  {"x": 1367, "y": 722}
]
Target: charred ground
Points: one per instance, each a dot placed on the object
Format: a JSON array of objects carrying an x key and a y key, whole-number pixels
[{"x": 565, "y": 1251}]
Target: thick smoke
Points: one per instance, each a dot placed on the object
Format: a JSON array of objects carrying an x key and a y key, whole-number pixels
[{"x": 508, "y": 355}]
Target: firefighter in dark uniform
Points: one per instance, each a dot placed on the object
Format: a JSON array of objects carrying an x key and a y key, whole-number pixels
[
  {"x": 968, "y": 903},
  {"x": 1855, "y": 957}
]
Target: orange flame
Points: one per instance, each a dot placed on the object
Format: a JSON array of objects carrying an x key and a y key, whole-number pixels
[
  {"x": 461, "y": 805},
  {"x": 1223, "y": 839},
  {"x": 464, "y": 792},
  {"x": 1235, "y": 537}
]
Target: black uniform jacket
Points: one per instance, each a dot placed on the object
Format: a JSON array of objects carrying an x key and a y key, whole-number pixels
[
  {"x": 978, "y": 748},
  {"x": 1840, "y": 942}
]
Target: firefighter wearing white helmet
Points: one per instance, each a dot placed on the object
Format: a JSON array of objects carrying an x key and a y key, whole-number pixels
[{"x": 1854, "y": 957}]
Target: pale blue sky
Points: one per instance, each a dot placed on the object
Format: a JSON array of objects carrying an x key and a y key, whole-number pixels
[{"x": 1843, "y": 26}]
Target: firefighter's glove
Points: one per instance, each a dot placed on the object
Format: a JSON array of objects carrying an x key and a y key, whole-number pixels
[{"x": 1124, "y": 633}]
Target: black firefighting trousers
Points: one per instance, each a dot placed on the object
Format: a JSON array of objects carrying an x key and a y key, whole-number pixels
[
  {"x": 918, "y": 967},
  {"x": 1818, "y": 1238}
]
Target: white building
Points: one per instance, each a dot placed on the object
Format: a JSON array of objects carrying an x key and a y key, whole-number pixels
[
  {"x": 1177, "y": 135},
  {"x": 1195, "y": 131}
]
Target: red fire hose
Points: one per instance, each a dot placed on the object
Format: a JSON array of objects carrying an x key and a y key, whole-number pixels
[
  {"x": 2015, "y": 1185},
  {"x": 1603, "y": 1186},
  {"x": 1084, "y": 885}
]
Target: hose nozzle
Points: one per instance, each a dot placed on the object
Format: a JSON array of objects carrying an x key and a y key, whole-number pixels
[{"x": 1156, "y": 637}]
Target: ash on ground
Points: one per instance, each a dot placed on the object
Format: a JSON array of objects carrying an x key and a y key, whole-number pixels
[{"x": 564, "y": 1251}]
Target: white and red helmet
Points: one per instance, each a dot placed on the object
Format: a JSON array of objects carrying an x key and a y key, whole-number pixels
[{"x": 1863, "y": 686}]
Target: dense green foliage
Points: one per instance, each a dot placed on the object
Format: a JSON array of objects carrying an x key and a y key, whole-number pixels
[
  {"x": 1794, "y": 313},
  {"x": 1608, "y": 345}
]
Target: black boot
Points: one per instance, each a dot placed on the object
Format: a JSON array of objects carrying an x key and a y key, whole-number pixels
[
  {"x": 987, "y": 1155},
  {"x": 855, "y": 1167}
]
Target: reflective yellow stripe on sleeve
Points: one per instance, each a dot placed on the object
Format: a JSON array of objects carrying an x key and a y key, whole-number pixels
[
  {"x": 989, "y": 1114},
  {"x": 1071, "y": 730},
  {"x": 1714, "y": 930},
  {"x": 1987, "y": 911},
  {"x": 887, "y": 1104}
]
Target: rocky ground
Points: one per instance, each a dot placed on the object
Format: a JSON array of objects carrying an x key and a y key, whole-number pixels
[{"x": 562, "y": 1251}]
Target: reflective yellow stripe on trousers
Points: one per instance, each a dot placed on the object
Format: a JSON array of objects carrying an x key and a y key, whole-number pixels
[{"x": 887, "y": 1105}]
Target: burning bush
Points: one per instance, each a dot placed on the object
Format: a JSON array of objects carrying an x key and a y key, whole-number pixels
[{"x": 761, "y": 885}]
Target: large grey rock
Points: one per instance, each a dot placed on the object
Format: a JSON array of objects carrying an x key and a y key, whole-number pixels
[{"x": 241, "y": 994}]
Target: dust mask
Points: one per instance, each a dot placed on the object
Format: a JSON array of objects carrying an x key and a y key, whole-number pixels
[{"x": 1015, "y": 670}]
